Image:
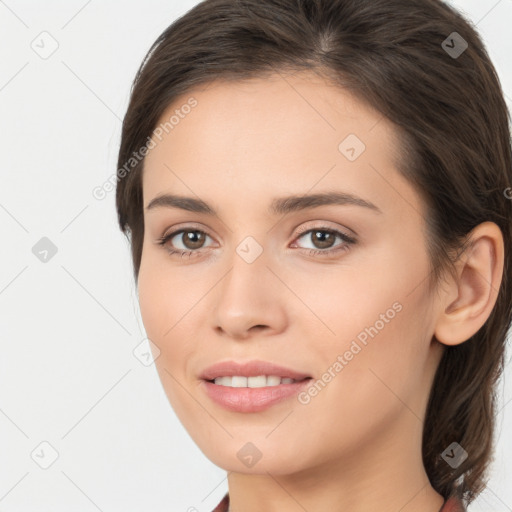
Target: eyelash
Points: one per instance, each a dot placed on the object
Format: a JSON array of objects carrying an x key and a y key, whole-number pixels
[{"x": 345, "y": 246}]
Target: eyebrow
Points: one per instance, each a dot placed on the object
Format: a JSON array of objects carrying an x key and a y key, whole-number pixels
[{"x": 278, "y": 206}]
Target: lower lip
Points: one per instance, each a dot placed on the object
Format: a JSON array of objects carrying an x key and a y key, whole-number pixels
[{"x": 252, "y": 399}]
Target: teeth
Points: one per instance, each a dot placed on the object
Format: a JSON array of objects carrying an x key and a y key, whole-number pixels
[
  {"x": 257, "y": 382},
  {"x": 272, "y": 380},
  {"x": 238, "y": 381}
]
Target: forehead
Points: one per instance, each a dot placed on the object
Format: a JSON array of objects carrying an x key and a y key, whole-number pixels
[{"x": 289, "y": 132}]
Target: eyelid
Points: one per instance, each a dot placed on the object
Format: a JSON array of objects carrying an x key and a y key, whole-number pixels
[
  {"x": 349, "y": 234},
  {"x": 304, "y": 228},
  {"x": 185, "y": 226}
]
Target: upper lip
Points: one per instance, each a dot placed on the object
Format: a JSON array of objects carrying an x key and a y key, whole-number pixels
[{"x": 250, "y": 369}]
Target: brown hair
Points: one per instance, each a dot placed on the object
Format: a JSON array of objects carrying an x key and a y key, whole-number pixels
[{"x": 453, "y": 121}]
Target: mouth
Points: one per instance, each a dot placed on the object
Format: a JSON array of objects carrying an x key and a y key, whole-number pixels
[
  {"x": 251, "y": 386},
  {"x": 259, "y": 381},
  {"x": 256, "y": 370}
]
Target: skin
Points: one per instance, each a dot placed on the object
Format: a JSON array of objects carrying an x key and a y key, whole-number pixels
[{"x": 356, "y": 446}]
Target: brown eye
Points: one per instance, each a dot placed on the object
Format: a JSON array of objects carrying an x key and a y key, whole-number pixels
[
  {"x": 322, "y": 239},
  {"x": 193, "y": 239},
  {"x": 184, "y": 240}
]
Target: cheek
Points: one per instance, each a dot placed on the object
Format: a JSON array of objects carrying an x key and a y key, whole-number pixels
[
  {"x": 161, "y": 311},
  {"x": 169, "y": 301},
  {"x": 388, "y": 371},
  {"x": 377, "y": 383},
  {"x": 380, "y": 324},
  {"x": 163, "y": 295},
  {"x": 152, "y": 302}
]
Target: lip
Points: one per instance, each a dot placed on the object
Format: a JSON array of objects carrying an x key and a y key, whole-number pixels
[
  {"x": 249, "y": 400},
  {"x": 252, "y": 399},
  {"x": 250, "y": 369}
]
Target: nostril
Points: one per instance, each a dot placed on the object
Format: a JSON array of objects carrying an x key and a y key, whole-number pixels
[{"x": 258, "y": 327}]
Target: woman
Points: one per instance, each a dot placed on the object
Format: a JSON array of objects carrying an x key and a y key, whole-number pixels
[{"x": 315, "y": 196}]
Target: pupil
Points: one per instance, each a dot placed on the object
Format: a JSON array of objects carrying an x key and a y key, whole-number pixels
[
  {"x": 193, "y": 239},
  {"x": 324, "y": 238}
]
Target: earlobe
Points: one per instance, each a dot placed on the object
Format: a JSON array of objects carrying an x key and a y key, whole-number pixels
[{"x": 479, "y": 274}]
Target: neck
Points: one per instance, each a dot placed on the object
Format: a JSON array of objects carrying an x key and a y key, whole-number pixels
[{"x": 385, "y": 474}]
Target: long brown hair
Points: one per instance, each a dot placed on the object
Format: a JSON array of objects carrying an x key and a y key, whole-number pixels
[{"x": 407, "y": 59}]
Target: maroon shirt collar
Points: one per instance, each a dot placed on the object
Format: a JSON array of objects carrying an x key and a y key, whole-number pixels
[{"x": 450, "y": 505}]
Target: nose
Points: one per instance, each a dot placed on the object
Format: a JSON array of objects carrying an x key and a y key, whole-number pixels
[{"x": 249, "y": 300}]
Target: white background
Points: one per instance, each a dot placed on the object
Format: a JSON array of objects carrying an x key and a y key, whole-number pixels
[{"x": 68, "y": 327}]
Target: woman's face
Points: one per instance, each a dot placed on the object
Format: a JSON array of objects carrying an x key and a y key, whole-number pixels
[{"x": 333, "y": 288}]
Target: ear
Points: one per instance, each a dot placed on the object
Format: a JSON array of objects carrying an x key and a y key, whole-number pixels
[{"x": 468, "y": 301}]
